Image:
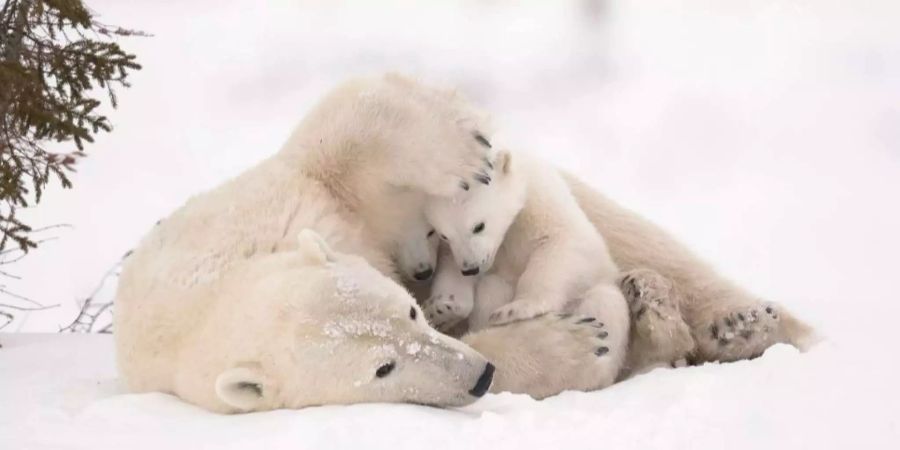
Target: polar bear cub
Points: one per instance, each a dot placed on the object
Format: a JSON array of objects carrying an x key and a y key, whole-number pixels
[
  {"x": 416, "y": 250},
  {"x": 535, "y": 252}
]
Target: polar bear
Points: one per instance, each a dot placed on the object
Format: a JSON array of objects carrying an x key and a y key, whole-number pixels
[
  {"x": 681, "y": 310},
  {"x": 202, "y": 299},
  {"x": 416, "y": 249},
  {"x": 537, "y": 254},
  {"x": 222, "y": 305}
]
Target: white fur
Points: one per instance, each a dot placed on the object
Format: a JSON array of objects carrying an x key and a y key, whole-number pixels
[
  {"x": 525, "y": 230},
  {"x": 416, "y": 248},
  {"x": 222, "y": 305}
]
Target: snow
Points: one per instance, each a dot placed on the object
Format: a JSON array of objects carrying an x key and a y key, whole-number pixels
[
  {"x": 66, "y": 395},
  {"x": 765, "y": 135}
]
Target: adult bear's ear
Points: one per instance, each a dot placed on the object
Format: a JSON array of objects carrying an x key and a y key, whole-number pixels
[
  {"x": 314, "y": 248},
  {"x": 242, "y": 388},
  {"x": 504, "y": 157}
]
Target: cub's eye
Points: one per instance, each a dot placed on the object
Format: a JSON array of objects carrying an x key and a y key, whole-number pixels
[
  {"x": 412, "y": 312},
  {"x": 430, "y": 233},
  {"x": 443, "y": 237},
  {"x": 384, "y": 370},
  {"x": 478, "y": 228}
]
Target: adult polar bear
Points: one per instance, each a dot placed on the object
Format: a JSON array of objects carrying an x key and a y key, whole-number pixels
[{"x": 222, "y": 305}]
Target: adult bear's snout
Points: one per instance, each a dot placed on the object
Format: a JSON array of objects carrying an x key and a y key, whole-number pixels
[{"x": 484, "y": 381}]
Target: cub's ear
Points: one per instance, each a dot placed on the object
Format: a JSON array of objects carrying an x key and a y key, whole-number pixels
[
  {"x": 242, "y": 388},
  {"x": 504, "y": 157},
  {"x": 314, "y": 248}
]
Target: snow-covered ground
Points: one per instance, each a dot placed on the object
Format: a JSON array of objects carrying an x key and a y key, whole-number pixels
[
  {"x": 60, "y": 392},
  {"x": 765, "y": 134}
]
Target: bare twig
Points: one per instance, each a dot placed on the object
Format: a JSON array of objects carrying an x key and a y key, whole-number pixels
[
  {"x": 91, "y": 311},
  {"x": 27, "y": 308}
]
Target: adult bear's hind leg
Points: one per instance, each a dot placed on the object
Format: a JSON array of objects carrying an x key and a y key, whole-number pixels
[
  {"x": 659, "y": 335},
  {"x": 744, "y": 330}
]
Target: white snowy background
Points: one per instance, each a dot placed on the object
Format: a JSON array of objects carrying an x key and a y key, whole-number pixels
[{"x": 764, "y": 134}]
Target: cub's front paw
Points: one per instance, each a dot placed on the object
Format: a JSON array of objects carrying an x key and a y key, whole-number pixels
[
  {"x": 444, "y": 311},
  {"x": 549, "y": 354},
  {"x": 516, "y": 310}
]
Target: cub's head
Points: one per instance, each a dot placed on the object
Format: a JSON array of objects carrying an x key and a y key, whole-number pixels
[
  {"x": 416, "y": 251},
  {"x": 317, "y": 327},
  {"x": 474, "y": 225}
]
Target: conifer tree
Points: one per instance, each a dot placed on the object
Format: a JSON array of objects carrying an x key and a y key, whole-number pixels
[{"x": 56, "y": 64}]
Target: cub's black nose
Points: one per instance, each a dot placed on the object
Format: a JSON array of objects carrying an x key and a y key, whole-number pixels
[
  {"x": 484, "y": 381},
  {"x": 470, "y": 272},
  {"x": 424, "y": 275}
]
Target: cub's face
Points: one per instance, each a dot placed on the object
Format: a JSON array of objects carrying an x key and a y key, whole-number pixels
[
  {"x": 474, "y": 226},
  {"x": 417, "y": 250},
  {"x": 345, "y": 333}
]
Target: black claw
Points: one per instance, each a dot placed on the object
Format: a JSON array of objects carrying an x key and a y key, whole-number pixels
[
  {"x": 481, "y": 140},
  {"x": 741, "y": 317},
  {"x": 489, "y": 163},
  {"x": 564, "y": 315},
  {"x": 464, "y": 185},
  {"x": 602, "y": 335},
  {"x": 483, "y": 179},
  {"x": 729, "y": 321},
  {"x": 602, "y": 351},
  {"x": 714, "y": 331},
  {"x": 586, "y": 320},
  {"x": 769, "y": 309}
]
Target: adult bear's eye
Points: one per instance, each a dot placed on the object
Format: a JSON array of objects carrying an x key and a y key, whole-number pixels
[
  {"x": 430, "y": 233},
  {"x": 412, "y": 312},
  {"x": 478, "y": 228},
  {"x": 384, "y": 370}
]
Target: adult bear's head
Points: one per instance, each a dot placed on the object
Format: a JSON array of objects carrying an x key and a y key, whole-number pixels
[{"x": 315, "y": 327}]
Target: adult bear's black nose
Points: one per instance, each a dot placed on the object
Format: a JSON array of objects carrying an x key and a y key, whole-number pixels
[
  {"x": 424, "y": 274},
  {"x": 470, "y": 272},
  {"x": 484, "y": 381}
]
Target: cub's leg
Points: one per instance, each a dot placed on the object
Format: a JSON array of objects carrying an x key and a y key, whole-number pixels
[
  {"x": 491, "y": 292},
  {"x": 659, "y": 335},
  {"x": 545, "y": 285},
  {"x": 452, "y": 294}
]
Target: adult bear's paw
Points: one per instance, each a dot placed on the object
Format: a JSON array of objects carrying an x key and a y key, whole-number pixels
[{"x": 548, "y": 354}]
